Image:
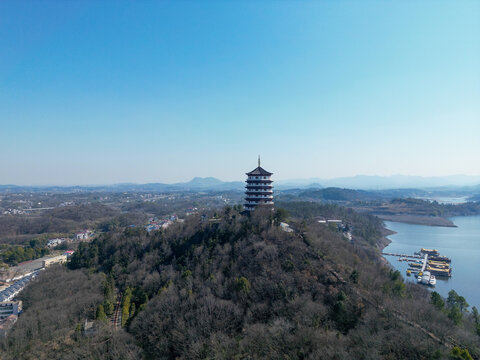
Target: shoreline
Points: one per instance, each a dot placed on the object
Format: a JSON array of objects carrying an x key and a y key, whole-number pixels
[
  {"x": 412, "y": 237},
  {"x": 418, "y": 220},
  {"x": 384, "y": 242}
]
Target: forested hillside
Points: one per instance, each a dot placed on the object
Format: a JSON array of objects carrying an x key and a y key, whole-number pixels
[
  {"x": 231, "y": 286},
  {"x": 58, "y": 220},
  {"x": 339, "y": 194}
]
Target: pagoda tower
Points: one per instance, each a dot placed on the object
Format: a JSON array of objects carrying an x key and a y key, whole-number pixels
[{"x": 259, "y": 188}]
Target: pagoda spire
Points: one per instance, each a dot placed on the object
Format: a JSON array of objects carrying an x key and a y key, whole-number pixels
[{"x": 258, "y": 160}]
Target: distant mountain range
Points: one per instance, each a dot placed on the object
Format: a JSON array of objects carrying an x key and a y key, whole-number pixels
[
  {"x": 196, "y": 184},
  {"x": 361, "y": 182},
  {"x": 369, "y": 182}
]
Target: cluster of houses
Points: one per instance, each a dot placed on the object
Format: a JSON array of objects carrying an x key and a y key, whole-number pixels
[
  {"x": 191, "y": 211},
  {"x": 157, "y": 224},
  {"x": 55, "y": 242},
  {"x": 14, "y": 212},
  {"x": 85, "y": 235}
]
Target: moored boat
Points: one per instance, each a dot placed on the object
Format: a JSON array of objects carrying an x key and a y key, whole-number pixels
[
  {"x": 440, "y": 272},
  {"x": 438, "y": 263},
  {"x": 426, "y": 277},
  {"x": 429, "y": 251},
  {"x": 440, "y": 258},
  {"x": 419, "y": 277},
  {"x": 438, "y": 266},
  {"x": 414, "y": 264}
]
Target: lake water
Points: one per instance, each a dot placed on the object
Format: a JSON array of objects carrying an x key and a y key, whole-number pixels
[
  {"x": 447, "y": 199},
  {"x": 461, "y": 244}
]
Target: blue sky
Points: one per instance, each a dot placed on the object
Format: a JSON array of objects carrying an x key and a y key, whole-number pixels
[{"x": 159, "y": 91}]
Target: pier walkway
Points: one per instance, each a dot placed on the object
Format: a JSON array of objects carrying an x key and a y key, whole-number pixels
[
  {"x": 403, "y": 255},
  {"x": 425, "y": 260}
]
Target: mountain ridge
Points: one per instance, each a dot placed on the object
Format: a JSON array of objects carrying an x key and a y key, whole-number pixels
[{"x": 358, "y": 182}]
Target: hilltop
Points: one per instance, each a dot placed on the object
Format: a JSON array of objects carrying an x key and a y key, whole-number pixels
[{"x": 225, "y": 285}]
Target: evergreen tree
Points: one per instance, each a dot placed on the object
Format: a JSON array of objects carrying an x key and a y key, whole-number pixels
[
  {"x": 437, "y": 300},
  {"x": 101, "y": 316},
  {"x": 127, "y": 297}
]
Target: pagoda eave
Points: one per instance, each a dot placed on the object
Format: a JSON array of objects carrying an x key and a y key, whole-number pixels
[{"x": 259, "y": 181}]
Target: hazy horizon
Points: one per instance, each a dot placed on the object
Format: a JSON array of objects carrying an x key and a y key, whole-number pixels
[
  {"x": 402, "y": 181},
  {"x": 116, "y": 92}
]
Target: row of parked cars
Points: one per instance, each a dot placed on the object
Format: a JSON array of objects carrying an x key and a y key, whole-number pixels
[{"x": 10, "y": 292}]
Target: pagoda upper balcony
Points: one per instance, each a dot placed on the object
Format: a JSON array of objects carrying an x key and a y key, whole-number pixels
[
  {"x": 259, "y": 193},
  {"x": 259, "y": 181}
]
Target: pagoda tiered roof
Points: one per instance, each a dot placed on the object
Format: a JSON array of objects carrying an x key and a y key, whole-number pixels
[{"x": 259, "y": 171}]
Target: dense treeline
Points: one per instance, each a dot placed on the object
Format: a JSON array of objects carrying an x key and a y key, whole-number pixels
[
  {"x": 178, "y": 203},
  {"x": 233, "y": 286},
  {"x": 365, "y": 226},
  {"x": 385, "y": 205},
  {"x": 81, "y": 213},
  {"x": 12, "y": 255},
  {"x": 123, "y": 220},
  {"x": 160, "y": 207},
  {"x": 59, "y": 220},
  {"x": 51, "y": 326},
  {"x": 434, "y": 208},
  {"x": 339, "y": 194}
]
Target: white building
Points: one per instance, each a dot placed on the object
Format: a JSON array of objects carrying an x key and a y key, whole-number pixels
[
  {"x": 83, "y": 235},
  {"x": 8, "y": 308},
  {"x": 60, "y": 259},
  {"x": 54, "y": 242}
]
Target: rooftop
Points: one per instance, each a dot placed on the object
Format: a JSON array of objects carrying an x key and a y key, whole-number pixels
[{"x": 259, "y": 171}]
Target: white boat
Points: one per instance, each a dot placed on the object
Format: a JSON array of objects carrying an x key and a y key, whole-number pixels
[
  {"x": 426, "y": 277},
  {"x": 433, "y": 280}
]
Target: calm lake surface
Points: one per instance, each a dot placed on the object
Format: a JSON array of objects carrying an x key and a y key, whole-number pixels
[{"x": 461, "y": 244}]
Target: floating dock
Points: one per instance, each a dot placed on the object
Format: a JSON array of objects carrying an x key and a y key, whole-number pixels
[
  {"x": 429, "y": 260},
  {"x": 404, "y": 255}
]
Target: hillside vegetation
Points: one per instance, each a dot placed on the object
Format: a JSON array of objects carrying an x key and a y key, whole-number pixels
[
  {"x": 59, "y": 220},
  {"x": 431, "y": 208},
  {"x": 238, "y": 287},
  {"x": 338, "y": 194}
]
